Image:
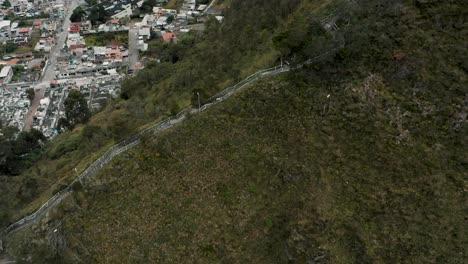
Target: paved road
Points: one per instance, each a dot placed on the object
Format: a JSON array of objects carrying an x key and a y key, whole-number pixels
[
  {"x": 132, "y": 48},
  {"x": 49, "y": 72},
  {"x": 135, "y": 140}
]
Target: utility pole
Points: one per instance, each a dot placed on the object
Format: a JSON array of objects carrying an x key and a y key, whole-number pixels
[{"x": 198, "y": 102}]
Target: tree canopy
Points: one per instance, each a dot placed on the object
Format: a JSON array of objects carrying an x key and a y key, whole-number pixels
[
  {"x": 76, "y": 110},
  {"x": 78, "y": 14},
  {"x": 97, "y": 14},
  {"x": 17, "y": 149}
]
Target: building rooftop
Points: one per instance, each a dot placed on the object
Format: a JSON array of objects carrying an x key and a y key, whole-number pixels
[
  {"x": 4, "y": 72},
  {"x": 168, "y": 36}
]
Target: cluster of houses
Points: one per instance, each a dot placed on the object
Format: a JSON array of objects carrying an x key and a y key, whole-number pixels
[
  {"x": 96, "y": 89},
  {"x": 23, "y": 23},
  {"x": 86, "y": 27},
  {"x": 77, "y": 59},
  {"x": 35, "y": 8},
  {"x": 12, "y": 31},
  {"x": 94, "y": 70},
  {"x": 169, "y": 23}
]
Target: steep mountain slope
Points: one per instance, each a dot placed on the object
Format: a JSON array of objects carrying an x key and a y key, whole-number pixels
[
  {"x": 199, "y": 62},
  {"x": 260, "y": 180},
  {"x": 359, "y": 158}
]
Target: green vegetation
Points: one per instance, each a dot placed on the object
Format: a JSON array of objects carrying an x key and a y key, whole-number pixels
[
  {"x": 18, "y": 149},
  {"x": 147, "y": 6},
  {"x": 76, "y": 111},
  {"x": 260, "y": 180},
  {"x": 357, "y": 158},
  {"x": 11, "y": 47},
  {"x": 30, "y": 93},
  {"x": 18, "y": 70},
  {"x": 103, "y": 38},
  {"x": 6, "y": 4},
  {"x": 174, "y": 4},
  {"x": 8, "y": 47},
  {"x": 98, "y": 15},
  {"x": 78, "y": 14}
]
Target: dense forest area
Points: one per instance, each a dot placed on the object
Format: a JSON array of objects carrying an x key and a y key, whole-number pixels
[{"x": 357, "y": 158}]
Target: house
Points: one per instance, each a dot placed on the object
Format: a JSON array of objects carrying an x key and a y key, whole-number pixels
[
  {"x": 24, "y": 55},
  {"x": 169, "y": 36},
  {"x": 5, "y": 30},
  {"x": 148, "y": 20},
  {"x": 162, "y": 21},
  {"x": 23, "y": 32},
  {"x": 113, "y": 54},
  {"x": 74, "y": 27},
  {"x": 99, "y": 53},
  {"x": 77, "y": 48},
  {"x": 48, "y": 26},
  {"x": 74, "y": 39},
  {"x": 41, "y": 46},
  {"x": 37, "y": 23},
  {"x": 6, "y": 74},
  {"x": 111, "y": 25},
  {"x": 5, "y": 25},
  {"x": 114, "y": 21},
  {"x": 144, "y": 32},
  {"x": 85, "y": 26},
  {"x": 113, "y": 44},
  {"x": 142, "y": 45},
  {"x": 126, "y": 12}
]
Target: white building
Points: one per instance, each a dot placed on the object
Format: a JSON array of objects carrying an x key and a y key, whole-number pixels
[
  {"x": 6, "y": 74},
  {"x": 144, "y": 32},
  {"x": 5, "y": 30}
]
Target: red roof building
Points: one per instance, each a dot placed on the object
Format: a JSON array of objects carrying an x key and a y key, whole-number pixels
[
  {"x": 113, "y": 44},
  {"x": 74, "y": 27},
  {"x": 168, "y": 36},
  {"x": 37, "y": 23},
  {"x": 113, "y": 21},
  {"x": 77, "y": 46},
  {"x": 23, "y": 30}
]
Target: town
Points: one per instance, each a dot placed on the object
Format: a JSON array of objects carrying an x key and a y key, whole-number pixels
[{"x": 49, "y": 48}]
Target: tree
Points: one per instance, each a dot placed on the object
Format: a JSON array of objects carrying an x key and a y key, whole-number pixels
[
  {"x": 98, "y": 14},
  {"x": 76, "y": 109},
  {"x": 30, "y": 93},
  {"x": 147, "y": 6},
  {"x": 170, "y": 18},
  {"x": 19, "y": 149},
  {"x": 6, "y": 4},
  {"x": 77, "y": 14},
  {"x": 91, "y": 2},
  {"x": 10, "y": 46}
]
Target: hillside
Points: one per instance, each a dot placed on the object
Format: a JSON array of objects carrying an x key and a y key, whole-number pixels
[
  {"x": 197, "y": 63},
  {"x": 358, "y": 158}
]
